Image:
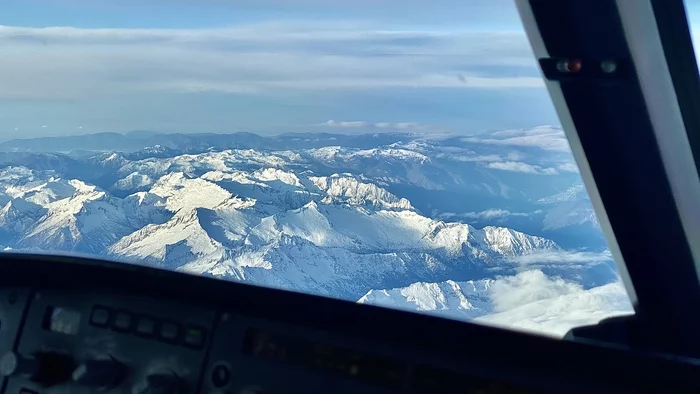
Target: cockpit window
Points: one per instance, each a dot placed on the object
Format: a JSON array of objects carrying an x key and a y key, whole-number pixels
[{"x": 404, "y": 154}]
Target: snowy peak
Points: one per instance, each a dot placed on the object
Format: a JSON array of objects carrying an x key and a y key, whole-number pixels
[
  {"x": 153, "y": 151},
  {"x": 113, "y": 160},
  {"x": 509, "y": 242},
  {"x": 16, "y": 175},
  {"x": 134, "y": 181},
  {"x": 142, "y": 199},
  {"x": 181, "y": 192},
  {"x": 392, "y": 152},
  {"x": 348, "y": 189},
  {"x": 89, "y": 221},
  {"x": 306, "y": 223},
  {"x": 443, "y": 298},
  {"x": 17, "y": 217},
  {"x": 276, "y": 189},
  {"x": 53, "y": 190},
  {"x": 182, "y": 235},
  {"x": 107, "y": 160},
  {"x": 143, "y": 208},
  {"x": 274, "y": 174},
  {"x": 18, "y": 207}
]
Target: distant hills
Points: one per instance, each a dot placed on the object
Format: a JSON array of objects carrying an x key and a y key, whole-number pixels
[
  {"x": 446, "y": 177},
  {"x": 193, "y": 143}
]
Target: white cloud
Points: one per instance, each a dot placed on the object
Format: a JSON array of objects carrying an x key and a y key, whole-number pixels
[
  {"x": 513, "y": 291},
  {"x": 380, "y": 125},
  {"x": 468, "y": 155},
  {"x": 400, "y": 125},
  {"x": 516, "y": 156},
  {"x": 67, "y": 62},
  {"x": 479, "y": 158},
  {"x": 489, "y": 214},
  {"x": 549, "y": 171},
  {"x": 568, "y": 307},
  {"x": 518, "y": 166},
  {"x": 514, "y": 166},
  {"x": 568, "y": 167},
  {"x": 562, "y": 257},
  {"x": 543, "y": 137},
  {"x": 352, "y": 124},
  {"x": 465, "y": 155},
  {"x": 529, "y": 300}
]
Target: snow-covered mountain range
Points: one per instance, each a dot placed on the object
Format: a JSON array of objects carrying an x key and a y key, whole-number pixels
[
  {"x": 529, "y": 300},
  {"x": 374, "y": 224}
]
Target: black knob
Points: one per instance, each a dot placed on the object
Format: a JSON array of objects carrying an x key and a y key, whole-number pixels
[
  {"x": 45, "y": 368},
  {"x": 162, "y": 383},
  {"x": 220, "y": 375},
  {"x": 99, "y": 373}
]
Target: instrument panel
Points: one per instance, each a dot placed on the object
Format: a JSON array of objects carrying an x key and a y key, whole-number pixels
[
  {"x": 97, "y": 327},
  {"x": 127, "y": 344},
  {"x": 80, "y": 344}
]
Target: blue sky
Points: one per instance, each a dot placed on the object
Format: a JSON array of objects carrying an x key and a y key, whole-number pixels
[{"x": 267, "y": 66}]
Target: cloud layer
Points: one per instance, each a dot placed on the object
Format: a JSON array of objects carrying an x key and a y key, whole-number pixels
[
  {"x": 496, "y": 215},
  {"x": 530, "y": 300},
  {"x": 67, "y": 62},
  {"x": 358, "y": 124},
  {"x": 517, "y": 166},
  {"x": 562, "y": 257},
  {"x": 543, "y": 137},
  {"x": 564, "y": 307}
]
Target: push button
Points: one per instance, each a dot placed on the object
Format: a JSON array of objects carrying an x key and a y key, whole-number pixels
[
  {"x": 169, "y": 331},
  {"x": 145, "y": 326},
  {"x": 194, "y": 337},
  {"x": 122, "y": 321},
  {"x": 100, "y": 316}
]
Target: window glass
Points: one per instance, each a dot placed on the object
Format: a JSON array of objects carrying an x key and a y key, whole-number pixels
[{"x": 397, "y": 153}]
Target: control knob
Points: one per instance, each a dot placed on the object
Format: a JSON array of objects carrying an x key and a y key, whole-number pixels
[{"x": 45, "y": 368}]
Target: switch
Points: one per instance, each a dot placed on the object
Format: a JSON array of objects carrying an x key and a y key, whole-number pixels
[
  {"x": 169, "y": 331},
  {"x": 194, "y": 337},
  {"x": 122, "y": 321},
  {"x": 44, "y": 368},
  {"x": 99, "y": 373},
  {"x": 100, "y": 316},
  {"x": 145, "y": 326}
]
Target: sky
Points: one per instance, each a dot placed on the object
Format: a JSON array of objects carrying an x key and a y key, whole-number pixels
[{"x": 266, "y": 66}]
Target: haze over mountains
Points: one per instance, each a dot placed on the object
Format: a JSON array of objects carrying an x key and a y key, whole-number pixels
[{"x": 444, "y": 224}]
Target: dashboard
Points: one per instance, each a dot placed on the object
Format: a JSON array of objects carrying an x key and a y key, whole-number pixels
[{"x": 77, "y": 325}]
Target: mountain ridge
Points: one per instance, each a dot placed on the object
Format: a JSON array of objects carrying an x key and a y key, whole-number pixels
[
  {"x": 192, "y": 223},
  {"x": 427, "y": 224}
]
